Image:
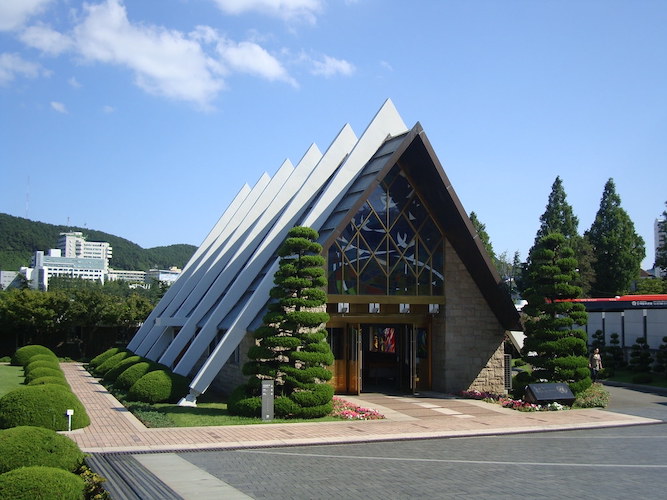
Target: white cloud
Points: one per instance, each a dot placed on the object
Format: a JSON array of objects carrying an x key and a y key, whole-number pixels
[
  {"x": 164, "y": 62},
  {"x": 386, "y": 65},
  {"x": 15, "y": 13},
  {"x": 74, "y": 83},
  {"x": 329, "y": 66},
  {"x": 46, "y": 39},
  {"x": 300, "y": 10},
  {"x": 12, "y": 65},
  {"x": 59, "y": 107},
  {"x": 248, "y": 57},
  {"x": 108, "y": 109}
]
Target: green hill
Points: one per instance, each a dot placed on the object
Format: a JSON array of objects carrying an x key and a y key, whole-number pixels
[{"x": 20, "y": 238}]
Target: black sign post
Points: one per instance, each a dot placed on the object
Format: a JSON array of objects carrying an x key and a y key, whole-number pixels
[{"x": 549, "y": 393}]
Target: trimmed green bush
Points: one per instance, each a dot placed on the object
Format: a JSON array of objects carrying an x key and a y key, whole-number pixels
[
  {"x": 107, "y": 365},
  {"x": 39, "y": 482},
  {"x": 43, "y": 372},
  {"x": 22, "y": 355},
  {"x": 41, "y": 406},
  {"x": 24, "y": 446},
  {"x": 50, "y": 380},
  {"x": 101, "y": 358},
  {"x": 130, "y": 376},
  {"x": 159, "y": 386},
  {"x": 41, "y": 363},
  {"x": 112, "y": 374},
  {"x": 44, "y": 357}
]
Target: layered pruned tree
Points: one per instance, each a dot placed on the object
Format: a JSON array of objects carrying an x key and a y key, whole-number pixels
[
  {"x": 558, "y": 217},
  {"x": 618, "y": 249},
  {"x": 614, "y": 358},
  {"x": 290, "y": 347},
  {"x": 552, "y": 323},
  {"x": 640, "y": 356},
  {"x": 660, "y": 366}
]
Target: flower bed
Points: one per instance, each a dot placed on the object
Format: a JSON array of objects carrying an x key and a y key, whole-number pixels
[
  {"x": 349, "y": 411},
  {"x": 514, "y": 404}
]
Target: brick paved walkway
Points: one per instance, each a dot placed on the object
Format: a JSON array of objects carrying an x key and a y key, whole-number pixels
[{"x": 114, "y": 429}]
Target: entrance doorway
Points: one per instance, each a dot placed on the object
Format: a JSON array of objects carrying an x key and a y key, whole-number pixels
[{"x": 374, "y": 357}]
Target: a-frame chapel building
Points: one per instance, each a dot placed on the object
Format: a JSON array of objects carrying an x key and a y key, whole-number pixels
[{"x": 414, "y": 300}]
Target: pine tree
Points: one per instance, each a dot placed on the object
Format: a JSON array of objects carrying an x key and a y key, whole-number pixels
[
  {"x": 640, "y": 356},
  {"x": 483, "y": 236},
  {"x": 552, "y": 323},
  {"x": 598, "y": 340},
  {"x": 618, "y": 249},
  {"x": 660, "y": 366},
  {"x": 614, "y": 358},
  {"x": 558, "y": 217},
  {"x": 291, "y": 346}
]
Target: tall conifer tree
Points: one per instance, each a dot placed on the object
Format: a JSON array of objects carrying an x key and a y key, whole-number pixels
[
  {"x": 618, "y": 249},
  {"x": 558, "y": 217}
]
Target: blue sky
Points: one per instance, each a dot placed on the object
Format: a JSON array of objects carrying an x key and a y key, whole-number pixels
[{"x": 144, "y": 119}]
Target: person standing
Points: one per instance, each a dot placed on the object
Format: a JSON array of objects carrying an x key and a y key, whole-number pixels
[{"x": 595, "y": 364}]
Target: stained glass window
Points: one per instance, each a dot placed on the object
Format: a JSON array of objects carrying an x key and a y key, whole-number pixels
[{"x": 391, "y": 246}]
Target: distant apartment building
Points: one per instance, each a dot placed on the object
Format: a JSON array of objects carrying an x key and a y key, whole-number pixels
[
  {"x": 49, "y": 264},
  {"x": 125, "y": 275},
  {"x": 167, "y": 276},
  {"x": 75, "y": 245},
  {"x": 660, "y": 237},
  {"x": 76, "y": 257}
]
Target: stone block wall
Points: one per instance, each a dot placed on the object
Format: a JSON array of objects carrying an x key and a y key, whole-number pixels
[{"x": 468, "y": 339}]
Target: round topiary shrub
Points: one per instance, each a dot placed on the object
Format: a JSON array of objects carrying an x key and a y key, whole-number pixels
[
  {"x": 45, "y": 483},
  {"x": 50, "y": 380},
  {"x": 109, "y": 363},
  {"x": 133, "y": 373},
  {"x": 112, "y": 374},
  {"x": 159, "y": 386},
  {"x": 44, "y": 357},
  {"x": 40, "y": 363},
  {"x": 28, "y": 445},
  {"x": 22, "y": 355},
  {"x": 43, "y": 372},
  {"x": 101, "y": 358},
  {"x": 41, "y": 406}
]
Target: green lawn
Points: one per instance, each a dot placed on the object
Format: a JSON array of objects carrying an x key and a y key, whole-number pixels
[{"x": 11, "y": 377}]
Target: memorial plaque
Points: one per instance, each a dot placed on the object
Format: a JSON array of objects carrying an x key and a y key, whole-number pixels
[
  {"x": 549, "y": 393},
  {"x": 267, "y": 399}
]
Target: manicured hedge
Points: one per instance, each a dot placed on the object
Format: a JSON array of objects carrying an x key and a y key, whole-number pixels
[
  {"x": 112, "y": 374},
  {"x": 22, "y": 355},
  {"x": 39, "y": 482},
  {"x": 159, "y": 386},
  {"x": 44, "y": 357},
  {"x": 41, "y": 363},
  {"x": 50, "y": 380},
  {"x": 41, "y": 406},
  {"x": 109, "y": 363},
  {"x": 130, "y": 376},
  {"x": 43, "y": 372},
  {"x": 101, "y": 358},
  {"x": 24, "y": 446}
]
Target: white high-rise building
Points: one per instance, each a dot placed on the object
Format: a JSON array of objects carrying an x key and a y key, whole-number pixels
[
  {"x": 660, "y": 237},
  {"x": 74, "y": 245}
]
